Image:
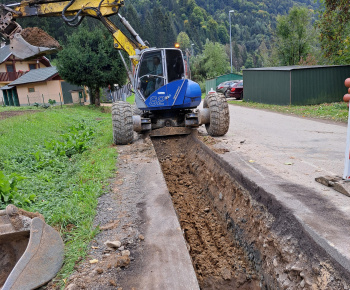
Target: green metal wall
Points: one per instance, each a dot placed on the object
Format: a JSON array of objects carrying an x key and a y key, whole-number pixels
[
  {"x": 319, "y": 85},
  {"x": 213, "y": 83},
  {"x": 210, "y": 84},
  {"x": 268, "y": 87}
]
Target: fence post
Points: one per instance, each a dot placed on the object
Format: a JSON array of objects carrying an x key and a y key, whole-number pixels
[
  {"x": 43, "y": 99},
  {"x": 60, "y": 99},
  {"x": 28, "y": 100}
]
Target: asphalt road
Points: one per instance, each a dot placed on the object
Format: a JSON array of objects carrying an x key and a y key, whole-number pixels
[{"x": 274, "y": 140}]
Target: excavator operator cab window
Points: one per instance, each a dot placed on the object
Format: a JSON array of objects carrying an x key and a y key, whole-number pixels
[
  {"x": 175, "y": 65},
  {"x": 151, "y": 73}
]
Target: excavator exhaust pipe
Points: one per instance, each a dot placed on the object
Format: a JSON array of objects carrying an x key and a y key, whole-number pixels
[{"x": 31, "y": 252}]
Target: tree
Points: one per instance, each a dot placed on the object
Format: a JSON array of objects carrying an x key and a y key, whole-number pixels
[
  {"x": 215, "y": 60},
  {"x": 293, "y": 39},
  {"x": 89, "y": 59},
  {"x": 184, "y": 40},
  {"x": 334, "y": 27},
  {"x": 249, "y": 63},
  {"x": 293, "y": 35}
]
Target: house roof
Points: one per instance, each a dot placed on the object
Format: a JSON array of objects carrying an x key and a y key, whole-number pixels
[
  {"x": 6, "y": 87},
  {"x": 293, "y": 67},
  {"x": 4, "y": 53},
  {"x": 36, "y": 75}
]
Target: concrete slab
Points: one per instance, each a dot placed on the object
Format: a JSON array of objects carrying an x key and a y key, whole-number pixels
[{"x": 166, "y": 258}]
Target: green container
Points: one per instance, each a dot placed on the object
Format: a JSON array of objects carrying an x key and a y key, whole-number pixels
[{"x": 296, "y": 85}]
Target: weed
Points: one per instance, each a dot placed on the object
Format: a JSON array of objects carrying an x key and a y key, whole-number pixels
[{"x": 9, "y": 192}]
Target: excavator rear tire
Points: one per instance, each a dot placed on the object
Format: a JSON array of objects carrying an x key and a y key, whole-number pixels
[
  {"x": 123, "y": 133},
  {"x": 219, "y": 114}
]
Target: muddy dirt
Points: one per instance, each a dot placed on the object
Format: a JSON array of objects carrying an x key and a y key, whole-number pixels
[
  {"x": 38, "y": 37},
  {"x": 219, "y": 261},
  {"x": 9, "y": 114}
]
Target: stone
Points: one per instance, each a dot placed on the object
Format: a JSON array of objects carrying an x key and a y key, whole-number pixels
[
  {"x": 226, "y": 274},
  {"x": 126, "y": 253},
  {"x": 275, "y": 263},
  {"x": 99, "y": 271},
  {"x": 113, "y": 244},
  {"x": 207, "y": 209},
  {"x": 72, "y": 287},
  {"x": 302, "y": 283},
  {"x": 220, "y": 196},
  {"x": 141, "y": 237},
  {"x": 112, "y": 283},
  {"x": 121, "y": 248}
]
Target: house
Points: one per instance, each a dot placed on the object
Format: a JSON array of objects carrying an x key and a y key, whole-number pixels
[
  {"x": 39, "y": 86},
  {"x": 11, "y": 67}
]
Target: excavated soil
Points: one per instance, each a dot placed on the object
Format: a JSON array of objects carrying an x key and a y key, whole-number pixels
[
  {"x": 38, "y": 37},
  {"x": 219, "y": 261}
]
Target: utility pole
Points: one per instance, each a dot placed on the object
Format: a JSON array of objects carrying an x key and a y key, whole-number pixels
[
  {"x": 192, "y": 54},
  {"x": 229, "y": 14}
]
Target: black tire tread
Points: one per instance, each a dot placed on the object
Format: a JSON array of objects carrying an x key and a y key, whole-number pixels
[
  {"x": 122, "y": 123},
  {"x": 219, "y": 114}
]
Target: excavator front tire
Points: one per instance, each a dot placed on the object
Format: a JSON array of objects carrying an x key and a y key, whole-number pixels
[
  {"x": 123, "y": 133},
  {"x": 219, "y": 114}
]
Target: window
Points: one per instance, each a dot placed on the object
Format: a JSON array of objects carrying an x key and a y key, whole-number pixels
[
  {"x": 151, "y": 73},
  {"x": 9, "y": 68},
  {"x": 175, "y": 65},
  {"x": 31, "y": 90},
  {"x": 32, "y": 66}
]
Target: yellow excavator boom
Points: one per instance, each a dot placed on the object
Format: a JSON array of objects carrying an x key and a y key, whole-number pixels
[{"x": 72, "y": 13}]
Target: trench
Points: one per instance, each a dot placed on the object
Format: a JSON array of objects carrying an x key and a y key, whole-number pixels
[{"x": 237, "y": 239}]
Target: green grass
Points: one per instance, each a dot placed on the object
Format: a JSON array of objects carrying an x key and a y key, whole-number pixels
[
  {"x": 328, "y": 111},
  {"x": 131, "y": 99},
  {"x": 66, "y": 156}
]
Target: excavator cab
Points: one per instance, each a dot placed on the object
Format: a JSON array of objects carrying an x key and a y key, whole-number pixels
[{"x": 161, "y": 83}]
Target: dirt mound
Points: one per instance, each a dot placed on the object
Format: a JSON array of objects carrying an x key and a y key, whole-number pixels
[{"x": 38, "y": 37}]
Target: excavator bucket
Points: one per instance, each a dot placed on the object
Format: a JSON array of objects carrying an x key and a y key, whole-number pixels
[
  {"x": 31, "y": 252},
  {"x": 33, "y": 42}
]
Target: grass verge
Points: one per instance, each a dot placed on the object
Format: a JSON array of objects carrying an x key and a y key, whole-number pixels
[
  {"x": 327, "y": 111},
  {"x": 62, "y": 160},
  {"x": 131, "y": 99}
]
